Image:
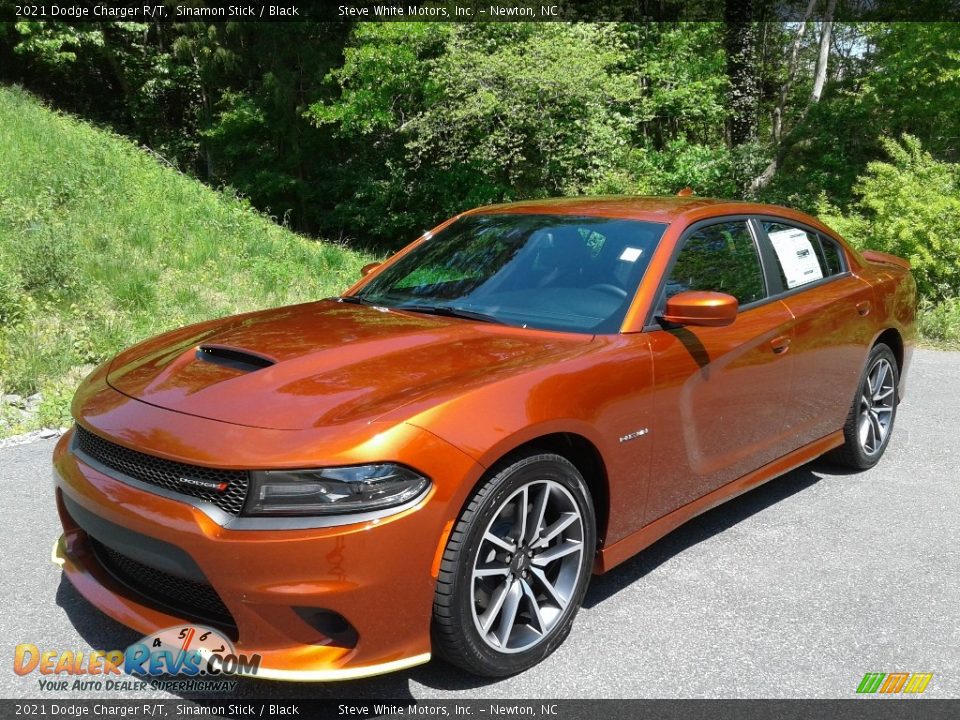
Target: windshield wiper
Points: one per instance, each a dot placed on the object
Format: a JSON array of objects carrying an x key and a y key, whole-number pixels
[
  {"x": 450, "y": 311},
  {"x": 352, "y": 299}
]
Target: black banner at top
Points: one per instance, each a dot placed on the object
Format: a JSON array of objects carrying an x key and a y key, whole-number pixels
[{"x": 150, "y": 11}]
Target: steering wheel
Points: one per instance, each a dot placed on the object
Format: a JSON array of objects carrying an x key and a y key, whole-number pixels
[{"x": 609, "y": 288}]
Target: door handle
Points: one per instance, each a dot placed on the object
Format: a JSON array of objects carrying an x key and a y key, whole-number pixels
[
  {"x": 780, "y": 344},
  {"x": 863, "y": 308}
]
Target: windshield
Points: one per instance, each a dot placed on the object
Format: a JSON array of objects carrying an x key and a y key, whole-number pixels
[{"x": 553, "y": 272}]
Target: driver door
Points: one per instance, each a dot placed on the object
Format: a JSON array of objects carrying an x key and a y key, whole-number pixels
[{"x": 720, "y": 392}]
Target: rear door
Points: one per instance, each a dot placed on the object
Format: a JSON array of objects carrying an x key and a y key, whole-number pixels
[
  {"x": 720, "y": 392},
  {"x": 832, "y": 329}
]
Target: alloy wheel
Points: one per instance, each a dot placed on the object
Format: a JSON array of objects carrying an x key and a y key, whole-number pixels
[
  {"x": 876, "y": 406},
  {"x": 527, "y": 567}
]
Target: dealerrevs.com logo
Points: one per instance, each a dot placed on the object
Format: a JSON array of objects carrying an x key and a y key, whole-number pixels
[{"x": 200, "y": 658}]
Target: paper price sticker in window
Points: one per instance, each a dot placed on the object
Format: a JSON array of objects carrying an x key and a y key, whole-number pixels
[{"x": 797, "y": 256}]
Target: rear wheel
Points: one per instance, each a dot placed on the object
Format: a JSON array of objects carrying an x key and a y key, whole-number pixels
[
  {"x": 872, "y": 415},
  {"x": 516, "y": 567}
]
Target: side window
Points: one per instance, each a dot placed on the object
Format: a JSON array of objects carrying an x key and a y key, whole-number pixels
[
  {"x": 801, "y": 256},
  {"x": 832, "y": 257},
  {"x": 721, "y": 258}
]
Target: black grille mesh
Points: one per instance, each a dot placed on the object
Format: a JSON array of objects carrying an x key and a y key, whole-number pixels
[
  {"x": 166, "y": 473},
  {"x": 193, "y": 598}
]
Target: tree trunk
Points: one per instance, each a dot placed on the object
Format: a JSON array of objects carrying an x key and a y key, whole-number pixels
[
  {"x": 740, "y": 45},
  {"x": 791, "y": 74},
  {"x": 824, "y": 55},
  {"x": 782, "y": 142}
]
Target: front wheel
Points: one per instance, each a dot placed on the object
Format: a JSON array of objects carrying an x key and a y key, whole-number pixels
[
  {"x": 874, "y": 410},
  {"x": 516, "y": 567}
]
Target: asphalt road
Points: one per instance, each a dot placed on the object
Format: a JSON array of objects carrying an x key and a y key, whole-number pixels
[{"x": 793, "y": 590}]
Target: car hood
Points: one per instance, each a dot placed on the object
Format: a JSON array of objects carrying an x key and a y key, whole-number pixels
[{"x": 325, "y": 363}]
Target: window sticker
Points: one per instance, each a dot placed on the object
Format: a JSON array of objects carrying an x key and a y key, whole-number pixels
[
  {"x": 796, "y": 255},
  {"x": 631, "y": 254}
]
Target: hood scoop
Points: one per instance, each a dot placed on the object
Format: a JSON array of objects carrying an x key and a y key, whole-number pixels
[{"x": 234, "y": 358}]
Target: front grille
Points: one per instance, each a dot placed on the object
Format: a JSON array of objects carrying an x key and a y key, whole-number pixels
[
  {"x": 166, "y": 473},
  {"x": 194, "y": 599}
]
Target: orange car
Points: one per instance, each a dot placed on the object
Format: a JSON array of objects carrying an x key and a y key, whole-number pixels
[{"x": 437, "y": 461}]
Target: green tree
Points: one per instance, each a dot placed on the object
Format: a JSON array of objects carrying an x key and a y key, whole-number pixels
[
  {"x": 909, "y": 206},
  {"x": 120, "y": 73},
  {"x": 459, "y": 115},
  {"x": 912, "y": 84},
  {"x": 443, "y": 117},
  {"x": 889, "y": 79},
  {"x": 258, "y": 82}
]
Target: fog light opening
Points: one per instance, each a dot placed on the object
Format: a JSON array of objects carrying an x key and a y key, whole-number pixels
[{"x": 333, "y": 627}]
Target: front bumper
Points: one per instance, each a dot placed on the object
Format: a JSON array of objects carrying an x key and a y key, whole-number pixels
[{"x": 379, "y": 575}]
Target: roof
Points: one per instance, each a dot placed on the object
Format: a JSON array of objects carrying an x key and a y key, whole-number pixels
[{"x": 657, "y": 209}]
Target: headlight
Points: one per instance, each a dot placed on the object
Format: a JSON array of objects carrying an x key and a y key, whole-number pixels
[{"x": 326, "y": 491}]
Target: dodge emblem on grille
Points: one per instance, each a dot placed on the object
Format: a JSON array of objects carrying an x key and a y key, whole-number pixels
[{"x": 205, "y": 484}]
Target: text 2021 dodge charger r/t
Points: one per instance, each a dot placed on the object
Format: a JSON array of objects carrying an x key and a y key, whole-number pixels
[{"x": 436, "y": 461}]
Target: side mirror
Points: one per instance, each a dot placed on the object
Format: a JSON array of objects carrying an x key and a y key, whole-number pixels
[
  {"x": 368, "y": 268},
  {"x": 701, "y": 307}
]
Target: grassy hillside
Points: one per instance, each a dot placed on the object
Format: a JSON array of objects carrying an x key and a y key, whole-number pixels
[{"x": 102, "y": 245}]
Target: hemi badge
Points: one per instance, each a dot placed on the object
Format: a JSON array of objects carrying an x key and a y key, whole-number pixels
[
  {"x": 634, "y": 435},
  {"x": 205, "y": 484}
]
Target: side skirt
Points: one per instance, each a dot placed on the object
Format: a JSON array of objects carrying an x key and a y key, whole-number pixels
[{"x": 611, "y": 556}]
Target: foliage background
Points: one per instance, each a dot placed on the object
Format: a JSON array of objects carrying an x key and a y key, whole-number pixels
[
  {"x": 359, "y": 136},
  {"x": 371, "y": 131}
]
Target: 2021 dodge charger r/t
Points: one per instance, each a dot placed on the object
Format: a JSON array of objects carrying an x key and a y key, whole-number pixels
[{"x": 437, "y": 460}]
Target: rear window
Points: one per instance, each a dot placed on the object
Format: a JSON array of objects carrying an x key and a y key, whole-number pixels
[
  {"x": 832, "y": 256},
  {"x": 803, "y": 257}
]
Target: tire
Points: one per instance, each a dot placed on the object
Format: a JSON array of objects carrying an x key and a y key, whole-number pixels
[
  {"x": 873, "y": 412},
  {"x": 487, "y": 576}
]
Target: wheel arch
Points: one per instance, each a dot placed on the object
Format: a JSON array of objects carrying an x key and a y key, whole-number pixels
[
  {"x": 584, "y": 455},
  {"x": 891, "y": 338}
]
